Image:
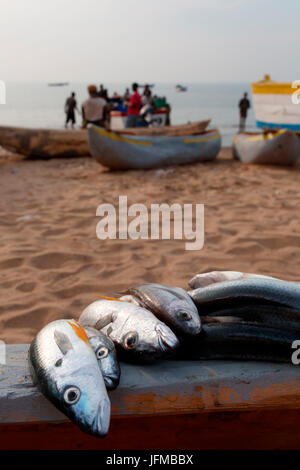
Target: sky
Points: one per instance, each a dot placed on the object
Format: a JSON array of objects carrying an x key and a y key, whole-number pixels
[{"x": 177, "y": 41}]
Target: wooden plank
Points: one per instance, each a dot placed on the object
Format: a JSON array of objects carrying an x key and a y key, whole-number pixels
[{"x": 164, "y": 388}]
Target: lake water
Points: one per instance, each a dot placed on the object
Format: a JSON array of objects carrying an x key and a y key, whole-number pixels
[{"x": 37, "y": 105}]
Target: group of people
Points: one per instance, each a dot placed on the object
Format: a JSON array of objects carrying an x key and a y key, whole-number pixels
[
  {"x": 96, "y": 109},
  {"x": 93, "y": 110}
]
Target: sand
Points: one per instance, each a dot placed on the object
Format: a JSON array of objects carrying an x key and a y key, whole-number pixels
[{"x": 52, "y": 264}]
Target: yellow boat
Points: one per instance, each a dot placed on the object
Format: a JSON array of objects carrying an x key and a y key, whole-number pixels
[{"x": 276, "y": 105}]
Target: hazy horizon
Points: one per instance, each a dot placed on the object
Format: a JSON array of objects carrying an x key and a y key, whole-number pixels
[{"x": 162, "y": 41}]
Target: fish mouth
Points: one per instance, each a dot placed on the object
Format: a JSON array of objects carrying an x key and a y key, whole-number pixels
[
  {"x": 166, "y": 338},
  {"x": 111, "y": 382},
  {"x": 196, "y": 329},
  {"x": 100, "y": 424}
]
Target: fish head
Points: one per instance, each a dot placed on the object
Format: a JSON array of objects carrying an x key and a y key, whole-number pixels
[
  {"x": 79, "y": 390},
  {"x": 83, "y": 401},
  {"x": 185, "y": 317},
  {"x": 172, "y": 305},
  {"x": 106, "y": 356},
  {"x": 142, "y": 336}
]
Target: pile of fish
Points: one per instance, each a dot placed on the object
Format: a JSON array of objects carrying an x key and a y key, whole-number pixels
[{"x": 226, "y": 315}]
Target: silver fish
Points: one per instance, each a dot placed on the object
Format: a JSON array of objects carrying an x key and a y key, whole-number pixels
[
  {"x": 257, "y": 290},
  {"x": 106, "y": 356},
  {"x": 135, "y": 331},
  {"x": 205, "y": 279},
  {"x": 66, "y": 370},
  {"x": 240, "y": 341},
  {"x": 172, "y": 305},
  {"x": 278, "y": 316}
]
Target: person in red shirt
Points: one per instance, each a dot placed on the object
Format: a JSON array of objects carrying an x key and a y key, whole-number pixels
[{"x": 134, "y": 106}]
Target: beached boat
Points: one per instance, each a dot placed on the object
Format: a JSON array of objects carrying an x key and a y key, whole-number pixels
[
  {"x": 122, "y": 152},
  {"x": 45, "y": 143},
  {"x": 274, "y": 148},
  {"x": 166, "y": 405},
  {"x": 276, "y": 105}
]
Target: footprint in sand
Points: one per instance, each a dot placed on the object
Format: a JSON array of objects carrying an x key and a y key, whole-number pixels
[
  {"x": 54, "y": 233},
  {"x": 56, "y": 260},
  {"x": 11, "y": 263},
  {"x": 26, "y": 286}
]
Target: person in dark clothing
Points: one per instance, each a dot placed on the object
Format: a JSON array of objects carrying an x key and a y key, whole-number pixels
[
  {"x": 244, "y": 105},
  {"x": 101, "y": 91},
  {"x": 70, "y": 107}
]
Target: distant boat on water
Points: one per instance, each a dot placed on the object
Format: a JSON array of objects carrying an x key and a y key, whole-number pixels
[
  {"x": 58, "y": 84},
  {"x": 180, "y": 88},
  {"x": 276, "y": 104},
  {"x": 151, "y": 85}
]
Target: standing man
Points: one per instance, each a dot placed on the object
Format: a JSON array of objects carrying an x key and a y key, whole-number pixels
[
  {"x": 70, "y": 106},
  {"x": 244, "y": 105},
  {"x": 94, "y": 108},
  {"x": 134, "y": 106}
]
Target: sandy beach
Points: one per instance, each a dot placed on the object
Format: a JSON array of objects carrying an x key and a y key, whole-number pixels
[{"x": 53, "y": 265}]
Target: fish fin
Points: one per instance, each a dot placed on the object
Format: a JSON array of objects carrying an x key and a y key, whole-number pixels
[
  {"x": 104, "y": 321},
  {"x": 107, "y": 298},
  {"x": 79, "y": 331},
  {"x": 62, "y": 342}
]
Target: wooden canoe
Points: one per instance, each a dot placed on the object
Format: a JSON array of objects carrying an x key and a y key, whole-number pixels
[
  {"x": 57, "y": 143},
  {"x": 273, "y": 148},
  {"x": 166, "y": 405},
  {"x": 45, "y": 143},
  {"x": 191, "y": 128},
  {"x": 121, "y": 152}
]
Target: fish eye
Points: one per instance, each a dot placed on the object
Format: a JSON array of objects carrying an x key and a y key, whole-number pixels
[
  {"x": 71, "y": 395},
  {"x": 185, "y": 316},
  {"x": 102, "y": 353},
  {"x": 130, "y": 340}
]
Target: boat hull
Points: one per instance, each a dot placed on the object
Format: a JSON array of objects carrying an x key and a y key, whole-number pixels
[
  {"x": 276, "y": 105},
  {"x": 44, "y": 143},
  {"x": 122, "y": 152},
  {"x": 280, "y": 148}
]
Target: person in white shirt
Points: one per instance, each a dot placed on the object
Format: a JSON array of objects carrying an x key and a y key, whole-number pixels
[{"x": 94, "y": 108}]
